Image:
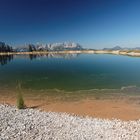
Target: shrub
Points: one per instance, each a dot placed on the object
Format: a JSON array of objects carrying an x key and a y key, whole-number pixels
[{"x": 20, "y": 100}]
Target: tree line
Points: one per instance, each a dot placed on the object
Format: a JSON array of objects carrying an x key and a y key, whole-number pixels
[{"x": 5, "y": 48}]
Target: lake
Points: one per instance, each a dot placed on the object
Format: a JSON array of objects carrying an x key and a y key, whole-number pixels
[
  {"x": 98, "y": 85},
  {"x": 70, "y": 72}
]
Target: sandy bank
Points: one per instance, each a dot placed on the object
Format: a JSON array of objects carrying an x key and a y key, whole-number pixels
[
  {"x": 108, "y": 108},
  {"x": 117, "y": 52}
]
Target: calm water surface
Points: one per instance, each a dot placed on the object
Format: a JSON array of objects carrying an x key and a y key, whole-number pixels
[{"x": 70, "y": 72}]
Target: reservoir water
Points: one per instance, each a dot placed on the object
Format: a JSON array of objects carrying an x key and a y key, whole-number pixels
[{"x": 70, "y": 72}]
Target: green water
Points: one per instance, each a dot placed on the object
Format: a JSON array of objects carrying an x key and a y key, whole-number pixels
[{"x": 70, "y": 72}]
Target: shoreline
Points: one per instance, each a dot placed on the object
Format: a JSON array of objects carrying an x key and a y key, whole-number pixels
[
  {"x": 122, "y": 109},
  {"x": 124, "y": 106},
  {"x": 134, "y": 53}
]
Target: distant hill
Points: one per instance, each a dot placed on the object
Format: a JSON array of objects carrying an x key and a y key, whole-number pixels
[
  {"x": 114, "y": 48},
  {"x": 120, "y": 48}
]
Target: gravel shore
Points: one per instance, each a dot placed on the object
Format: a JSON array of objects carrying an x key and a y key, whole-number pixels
[{"x": 32, "y": 124}]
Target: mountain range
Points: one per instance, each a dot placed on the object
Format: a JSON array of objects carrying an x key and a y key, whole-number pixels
[
  {"x": 54, "y": 47},
  {"x": 41, "y": 47},
  {"x": 49, "y": 47}
]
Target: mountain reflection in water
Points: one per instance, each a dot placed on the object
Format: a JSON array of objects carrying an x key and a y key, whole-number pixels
[
  {"x": 53, "y": 55},
  {"x": 5, "y": 59}
]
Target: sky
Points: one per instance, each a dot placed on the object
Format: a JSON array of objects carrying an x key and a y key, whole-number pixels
[{"x": 91, "y": 23}]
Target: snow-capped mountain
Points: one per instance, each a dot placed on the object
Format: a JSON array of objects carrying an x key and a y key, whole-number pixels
[{"x": 50, "y": 47}]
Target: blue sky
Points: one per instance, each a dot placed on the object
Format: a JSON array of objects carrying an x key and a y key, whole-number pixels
[{"x": 92, "y": 23}]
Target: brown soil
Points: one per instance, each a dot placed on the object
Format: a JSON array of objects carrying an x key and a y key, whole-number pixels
[{"x": 120, "y": 109}]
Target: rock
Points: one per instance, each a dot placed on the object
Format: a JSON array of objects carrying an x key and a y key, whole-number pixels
[{"x": 29, "y": 124}]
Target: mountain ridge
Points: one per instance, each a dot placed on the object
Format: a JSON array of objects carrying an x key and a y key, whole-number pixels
[{"x": 43, "y": 47}]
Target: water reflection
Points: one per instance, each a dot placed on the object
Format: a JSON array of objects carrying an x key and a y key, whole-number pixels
[
  {"x": 31, "y": 56},
  {"x": 4, "y": 59},
  {"x": 51, "y": 55}
]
